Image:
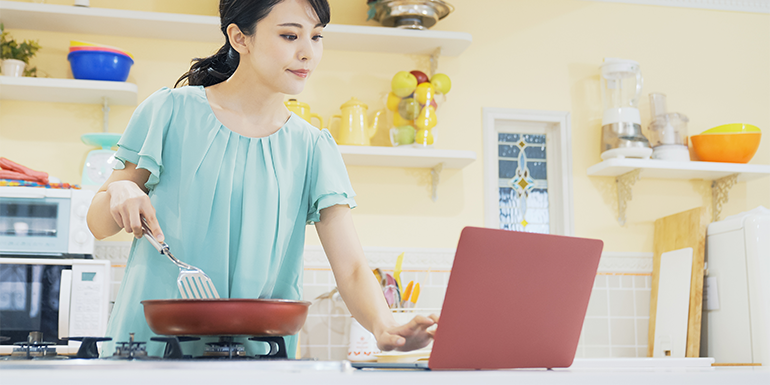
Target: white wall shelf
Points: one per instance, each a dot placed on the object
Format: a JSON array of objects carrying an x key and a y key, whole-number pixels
[
  {"x": 405, "y": 157},
  {"x": 722, "y": 175},
  {"x": 102, "y": 21},
  {"x": 662, "y": 169},
  {"x": 67, "y": 91},
  {"x": 409, "y": 157}
]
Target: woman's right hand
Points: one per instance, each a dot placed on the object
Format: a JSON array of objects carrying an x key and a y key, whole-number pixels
[{"x": 128, "y": 204}]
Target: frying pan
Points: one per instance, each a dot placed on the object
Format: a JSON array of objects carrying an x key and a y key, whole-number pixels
[{"x": 225, "y": 317}]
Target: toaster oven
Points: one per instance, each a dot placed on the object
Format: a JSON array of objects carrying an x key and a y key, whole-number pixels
[{"x": 45, "y": 222}]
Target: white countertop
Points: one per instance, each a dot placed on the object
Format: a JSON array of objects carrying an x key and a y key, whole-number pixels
[{"x": 340, "y": 372}]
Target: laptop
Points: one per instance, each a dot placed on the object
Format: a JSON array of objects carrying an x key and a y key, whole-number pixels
[{"x": 514, "y": 300}]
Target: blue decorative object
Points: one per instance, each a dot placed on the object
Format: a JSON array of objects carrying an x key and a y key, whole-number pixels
[
  {"x": 523, "y": 184},
  {"x": 100, "y": 65}
]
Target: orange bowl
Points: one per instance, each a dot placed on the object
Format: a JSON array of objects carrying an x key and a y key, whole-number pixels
[{"x": 729, "y": 148}]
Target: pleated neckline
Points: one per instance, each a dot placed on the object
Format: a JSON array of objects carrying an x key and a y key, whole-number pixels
[{"x": 210, "y": 111}]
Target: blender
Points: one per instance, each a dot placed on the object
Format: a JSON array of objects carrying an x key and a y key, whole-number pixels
[
  {"x": 668, "y": 131},
  {"x": 621, "y": 123}
]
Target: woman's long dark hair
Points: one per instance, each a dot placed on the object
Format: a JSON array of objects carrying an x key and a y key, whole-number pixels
[{"x": 245, "y": 14}]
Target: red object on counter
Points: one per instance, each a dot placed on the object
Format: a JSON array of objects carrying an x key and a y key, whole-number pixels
[
  {"x": 226, "y": 316},
  {"x": 28, "y": 174},
  {"x": 6, "y": 174}
]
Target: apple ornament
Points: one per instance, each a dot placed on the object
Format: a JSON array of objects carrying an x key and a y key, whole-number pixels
[
  {"x": 402, "y": 135},
  {"x": 421, "y": 76},
  {"x": 441, "y": 83},
  {"x": 408, "y": 108},
  {"x": 424, "y": 93},
  {"x": 403, "y": 84}
]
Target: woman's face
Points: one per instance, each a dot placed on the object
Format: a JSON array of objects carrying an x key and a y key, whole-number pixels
[{"x": 286, "y": 47}]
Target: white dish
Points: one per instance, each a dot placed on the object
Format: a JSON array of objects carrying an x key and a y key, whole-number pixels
[{"x": 627, "y": 152}]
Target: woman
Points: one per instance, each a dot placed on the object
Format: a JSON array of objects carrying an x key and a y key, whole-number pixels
[{"x": 229, "y": 178}]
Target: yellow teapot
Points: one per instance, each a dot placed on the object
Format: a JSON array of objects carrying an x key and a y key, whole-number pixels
[
  {"x": 355, "y": 129},
  {"x": 303, "y": 110}
]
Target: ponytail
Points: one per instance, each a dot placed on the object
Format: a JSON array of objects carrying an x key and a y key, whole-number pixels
[
  {"x": 213, "y": 69},
  {"x": 245, "y": 14}
]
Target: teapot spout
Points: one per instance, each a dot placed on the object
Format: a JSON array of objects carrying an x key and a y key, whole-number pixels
[{"x": 372, "y": 130}]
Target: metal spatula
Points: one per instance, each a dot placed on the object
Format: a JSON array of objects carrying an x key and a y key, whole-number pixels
[{"x": 192, "y": 281}]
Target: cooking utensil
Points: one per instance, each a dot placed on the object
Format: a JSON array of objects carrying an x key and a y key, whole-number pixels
[
  {"x": 415, "y": 295},
  {"x": 225, "y": 317},
  {"x": 407, "y": 293},
  {"x": 397, "y": 271},
  {"x": 192, "y": 281},
  {"x": 675, "y": 232}
]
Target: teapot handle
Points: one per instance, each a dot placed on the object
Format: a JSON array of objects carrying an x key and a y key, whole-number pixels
[
  {"x": 335, "y": 134},
  {"x": 320, "y": 120}
]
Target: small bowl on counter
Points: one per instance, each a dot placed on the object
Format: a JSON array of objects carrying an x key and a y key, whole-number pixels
[{"x": 729, "y": 143}]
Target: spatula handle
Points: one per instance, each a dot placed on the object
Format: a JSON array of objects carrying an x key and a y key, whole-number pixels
[{"x": 160, "y": 246}]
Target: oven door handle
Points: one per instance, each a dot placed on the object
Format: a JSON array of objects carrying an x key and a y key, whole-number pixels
[
  {"x": 65, "y": 292},
  {"x": 26, "y": 193}
]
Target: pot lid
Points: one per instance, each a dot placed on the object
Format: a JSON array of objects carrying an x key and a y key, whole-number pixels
[
  {"x": 295, "y": 102},
  {"x": 353, "y": 102}
]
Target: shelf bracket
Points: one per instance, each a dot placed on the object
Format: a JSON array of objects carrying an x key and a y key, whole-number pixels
[
  {"x": 435, "y": 172},
  {"x": 434, "y": 60},
  {"x": 106, "y": 112},
  {"x": 719, "y": 191},
  {"x": 625, "y": 183}
]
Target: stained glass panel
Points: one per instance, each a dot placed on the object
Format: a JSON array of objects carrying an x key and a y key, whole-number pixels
[{"x": 523, "y": 183}]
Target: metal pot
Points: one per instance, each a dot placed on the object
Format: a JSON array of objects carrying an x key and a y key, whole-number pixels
[
  {"x": 411, "y": 14},
  {"x": 225, "y": 317}
]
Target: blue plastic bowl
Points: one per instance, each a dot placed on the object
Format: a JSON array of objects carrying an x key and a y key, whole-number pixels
[{"x": 100, "y": 65}]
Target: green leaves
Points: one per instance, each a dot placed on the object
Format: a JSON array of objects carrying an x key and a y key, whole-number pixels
[{"x": 10, "y": 49}]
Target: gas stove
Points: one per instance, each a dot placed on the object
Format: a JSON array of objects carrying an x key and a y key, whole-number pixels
[
  {"x": 226, "y": 348},
  {"x": 225, "y": 352}
]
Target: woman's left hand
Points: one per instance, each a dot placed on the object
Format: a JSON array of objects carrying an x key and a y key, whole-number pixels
[{"x": 410, "y": 336}]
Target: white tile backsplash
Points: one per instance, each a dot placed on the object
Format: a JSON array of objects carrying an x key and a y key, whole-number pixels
[{"x": 615, "y": 326}]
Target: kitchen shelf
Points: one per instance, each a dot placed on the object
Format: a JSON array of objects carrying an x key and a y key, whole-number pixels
[
  {"x": 722, "y": 175},
  {"x": 405, "y": 157},
  {"x": 68, "y": 91},
  {"x": 436, "y": 160},
  {"x": 662, "y": 169},
  {"x": 102, "y": 21}
]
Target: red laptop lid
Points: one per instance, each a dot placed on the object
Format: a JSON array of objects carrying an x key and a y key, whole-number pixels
[{"x": 515, "y": 300}]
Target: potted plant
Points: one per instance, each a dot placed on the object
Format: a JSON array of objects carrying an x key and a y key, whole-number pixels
[{"x": 16, "y": 56}]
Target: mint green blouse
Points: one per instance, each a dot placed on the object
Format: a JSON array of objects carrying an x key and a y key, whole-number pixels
[{"x": 234, "y": 206}]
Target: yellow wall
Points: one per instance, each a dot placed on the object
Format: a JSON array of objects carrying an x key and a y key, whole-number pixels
[{"x": 526, "y": 54}]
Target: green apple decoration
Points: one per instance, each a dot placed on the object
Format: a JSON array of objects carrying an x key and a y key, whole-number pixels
[
  {"x": 403, "y": 84},
  {"x": 409, "y": 108},
  {"x": 413, "y": 102},
  {"x": 441, "y": 83},
  {"x": 404, "y": 135}
]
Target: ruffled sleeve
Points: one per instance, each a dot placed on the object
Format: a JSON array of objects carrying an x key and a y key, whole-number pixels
[
  {"x": 142, "y": 142},
  {"x": 329, "y": 181}
]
